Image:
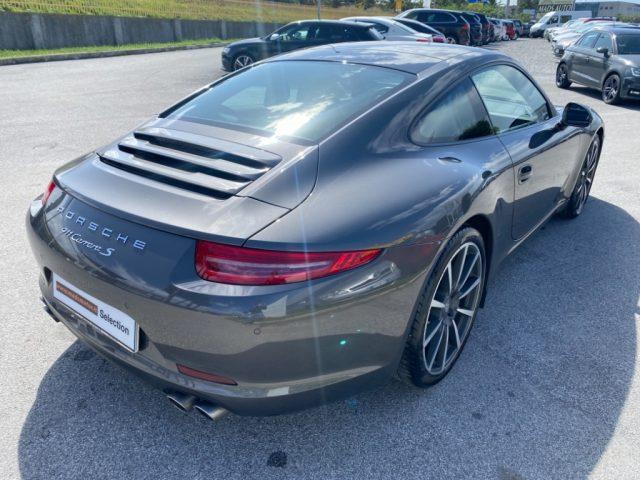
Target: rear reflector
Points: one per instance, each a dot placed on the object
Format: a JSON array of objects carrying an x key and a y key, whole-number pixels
[
  {"x": 47, "y": 193},
  {"x": 209, "y": 377},
  {"x": 249, "y": 266}
]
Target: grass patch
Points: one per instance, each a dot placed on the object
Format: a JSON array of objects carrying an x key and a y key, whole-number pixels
[
  {"x": 232, "y": 10},
  {"x": 105, "y": 48}
]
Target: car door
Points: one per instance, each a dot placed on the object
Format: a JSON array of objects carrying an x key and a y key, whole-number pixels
[
  {"x": 457, "y": 140},
  {"x": 544, "y": 156},
  {"x": 580, "y": 58},
  {"x": 599, "y": 63},
  {"x": 297, "y": 36}
]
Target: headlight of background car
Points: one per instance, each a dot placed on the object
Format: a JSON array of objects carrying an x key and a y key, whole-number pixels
[
  {"x": 635, "y": 71},
  {"x": 225, "y": 50}
]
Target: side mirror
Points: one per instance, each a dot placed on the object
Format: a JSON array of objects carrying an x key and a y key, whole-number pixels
[
  {"x": 603, "y": 50},
  {"x": 575, "y": 115}
]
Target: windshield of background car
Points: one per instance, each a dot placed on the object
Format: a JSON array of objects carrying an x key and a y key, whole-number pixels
[
  {"x": 628, "y": 44},
  {"x": 300, "y": 99},
  {"x": 546, "y": 17}
]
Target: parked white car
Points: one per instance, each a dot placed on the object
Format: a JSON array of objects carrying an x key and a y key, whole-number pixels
[
  {"x": 549, "y": 33},
  {"x": 555, "y": 19},
  {"x": 392, "y": 30},
  {"x": 500, "y": 29}
]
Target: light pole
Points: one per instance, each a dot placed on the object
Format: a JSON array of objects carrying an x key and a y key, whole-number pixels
[{"x": 318, "y": 4}]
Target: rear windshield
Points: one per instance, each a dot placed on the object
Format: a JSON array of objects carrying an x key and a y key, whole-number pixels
[
  {"x": 299, "y": 99},
  {"x": 628, "y": 44}
]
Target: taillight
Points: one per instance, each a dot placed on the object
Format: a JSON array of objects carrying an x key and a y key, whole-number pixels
[
  {"x": 465, "y": 26},
  {"x": 439, "y": 39},
  {"x": 248, "y": 266},
  {"x": 48, "y": 191},
  {"x": 423, "y": 40}
]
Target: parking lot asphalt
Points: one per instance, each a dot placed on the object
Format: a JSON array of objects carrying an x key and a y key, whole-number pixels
[{"x": 547, "y": 386}]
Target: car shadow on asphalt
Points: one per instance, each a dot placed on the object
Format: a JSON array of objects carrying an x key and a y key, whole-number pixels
[{"x": 537, "y": 393}]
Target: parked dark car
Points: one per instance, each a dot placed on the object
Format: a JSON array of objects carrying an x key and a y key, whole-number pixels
[
  {"x": 474, "y": 18},
  {"x": 526, "y": 27},
  {"x": 311, "y": 225},
  {"x": 606, "y": 58},
  {"x": 454, "y": 27},
  {"x": 475, "y": 30},
  {"x": 438, "y": 36},
  {"x": 519, "y": 27},
  {"x": 293, "y": 36},
  {"x": 487, "y": 27}
]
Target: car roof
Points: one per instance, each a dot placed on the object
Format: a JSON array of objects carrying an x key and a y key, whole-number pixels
[
  {"x": 364, "y": 18},
  {"x": 409, "y": 57},
  {"x": 331, "y": 22},
  {"x": 618, "y": 29}
]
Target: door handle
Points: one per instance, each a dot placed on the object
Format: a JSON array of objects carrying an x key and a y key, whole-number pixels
[
  {"x": 450, "y": 159},
  {"x": 524, "y": 173}
]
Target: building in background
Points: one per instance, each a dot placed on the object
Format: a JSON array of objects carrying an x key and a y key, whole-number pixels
[
  {"x": 611, "y": 9},
  {"x": 598, "y": 9}
]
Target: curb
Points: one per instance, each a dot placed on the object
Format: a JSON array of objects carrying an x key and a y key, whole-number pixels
[{"x": 110, "y": 53}]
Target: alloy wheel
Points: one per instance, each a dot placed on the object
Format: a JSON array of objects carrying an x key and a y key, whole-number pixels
[
  {"x": 452, "y": 309},
  {"x": 561, "y": 76},
  {"x": 611, "y": 87},
  {"x": 242, "y": 61},
  {"x": 451, "y": 40},
  {"x": 587, "y": 174}
]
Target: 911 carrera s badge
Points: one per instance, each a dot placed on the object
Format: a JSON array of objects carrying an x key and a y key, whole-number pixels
[{"x": 77, "y": 238}]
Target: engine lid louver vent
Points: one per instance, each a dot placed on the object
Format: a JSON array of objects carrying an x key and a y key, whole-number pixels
[{"x": 193, "y": 162}]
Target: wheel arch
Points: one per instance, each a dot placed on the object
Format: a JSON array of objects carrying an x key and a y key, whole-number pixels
[
  {"x": 607, "y": 75},
  {"x": 483, "y": 225}
]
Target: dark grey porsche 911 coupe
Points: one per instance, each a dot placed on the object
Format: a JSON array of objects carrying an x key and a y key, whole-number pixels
[{"x": 310, "y": 225}]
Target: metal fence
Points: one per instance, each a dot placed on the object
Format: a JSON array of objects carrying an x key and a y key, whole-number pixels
[{"x": 238, "y": 10}]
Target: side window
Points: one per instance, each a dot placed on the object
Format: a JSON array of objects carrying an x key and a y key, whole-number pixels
[
  {"x": 554, "y": 19},
  {"x": 588, "y": 40},
  {"x": 604, "y": 40},
  {"x": 565, "y": 18},
  {"x": 512, "y": 100},
  {"x": 458, "y": 115},
  {"x": 380, "y": 27},
  {"x": 446, "y": 18},
  {"x": 295, "y": 34},
  {"x": 349, "y": 34}
]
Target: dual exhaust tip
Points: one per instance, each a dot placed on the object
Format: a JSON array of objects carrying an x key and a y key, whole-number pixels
[{"x": 185, "y": 402}]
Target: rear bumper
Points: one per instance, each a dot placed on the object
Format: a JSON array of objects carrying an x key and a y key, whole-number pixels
[{"x": 287, "y": 347}]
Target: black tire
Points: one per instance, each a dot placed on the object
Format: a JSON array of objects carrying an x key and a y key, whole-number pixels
[
  {"x": 611, "y": 88},
  {"x": 580, "y": 194},
  {"x": 428, "y": 317},
  {"x": 241, "y": 60},
  {"x": 562, "y": 76}
]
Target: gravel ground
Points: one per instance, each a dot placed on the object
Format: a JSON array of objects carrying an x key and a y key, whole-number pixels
[{"x": 546, "y": 388}]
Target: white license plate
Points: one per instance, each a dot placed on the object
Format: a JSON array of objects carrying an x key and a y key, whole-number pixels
[{"x": 118, "y": 325}]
